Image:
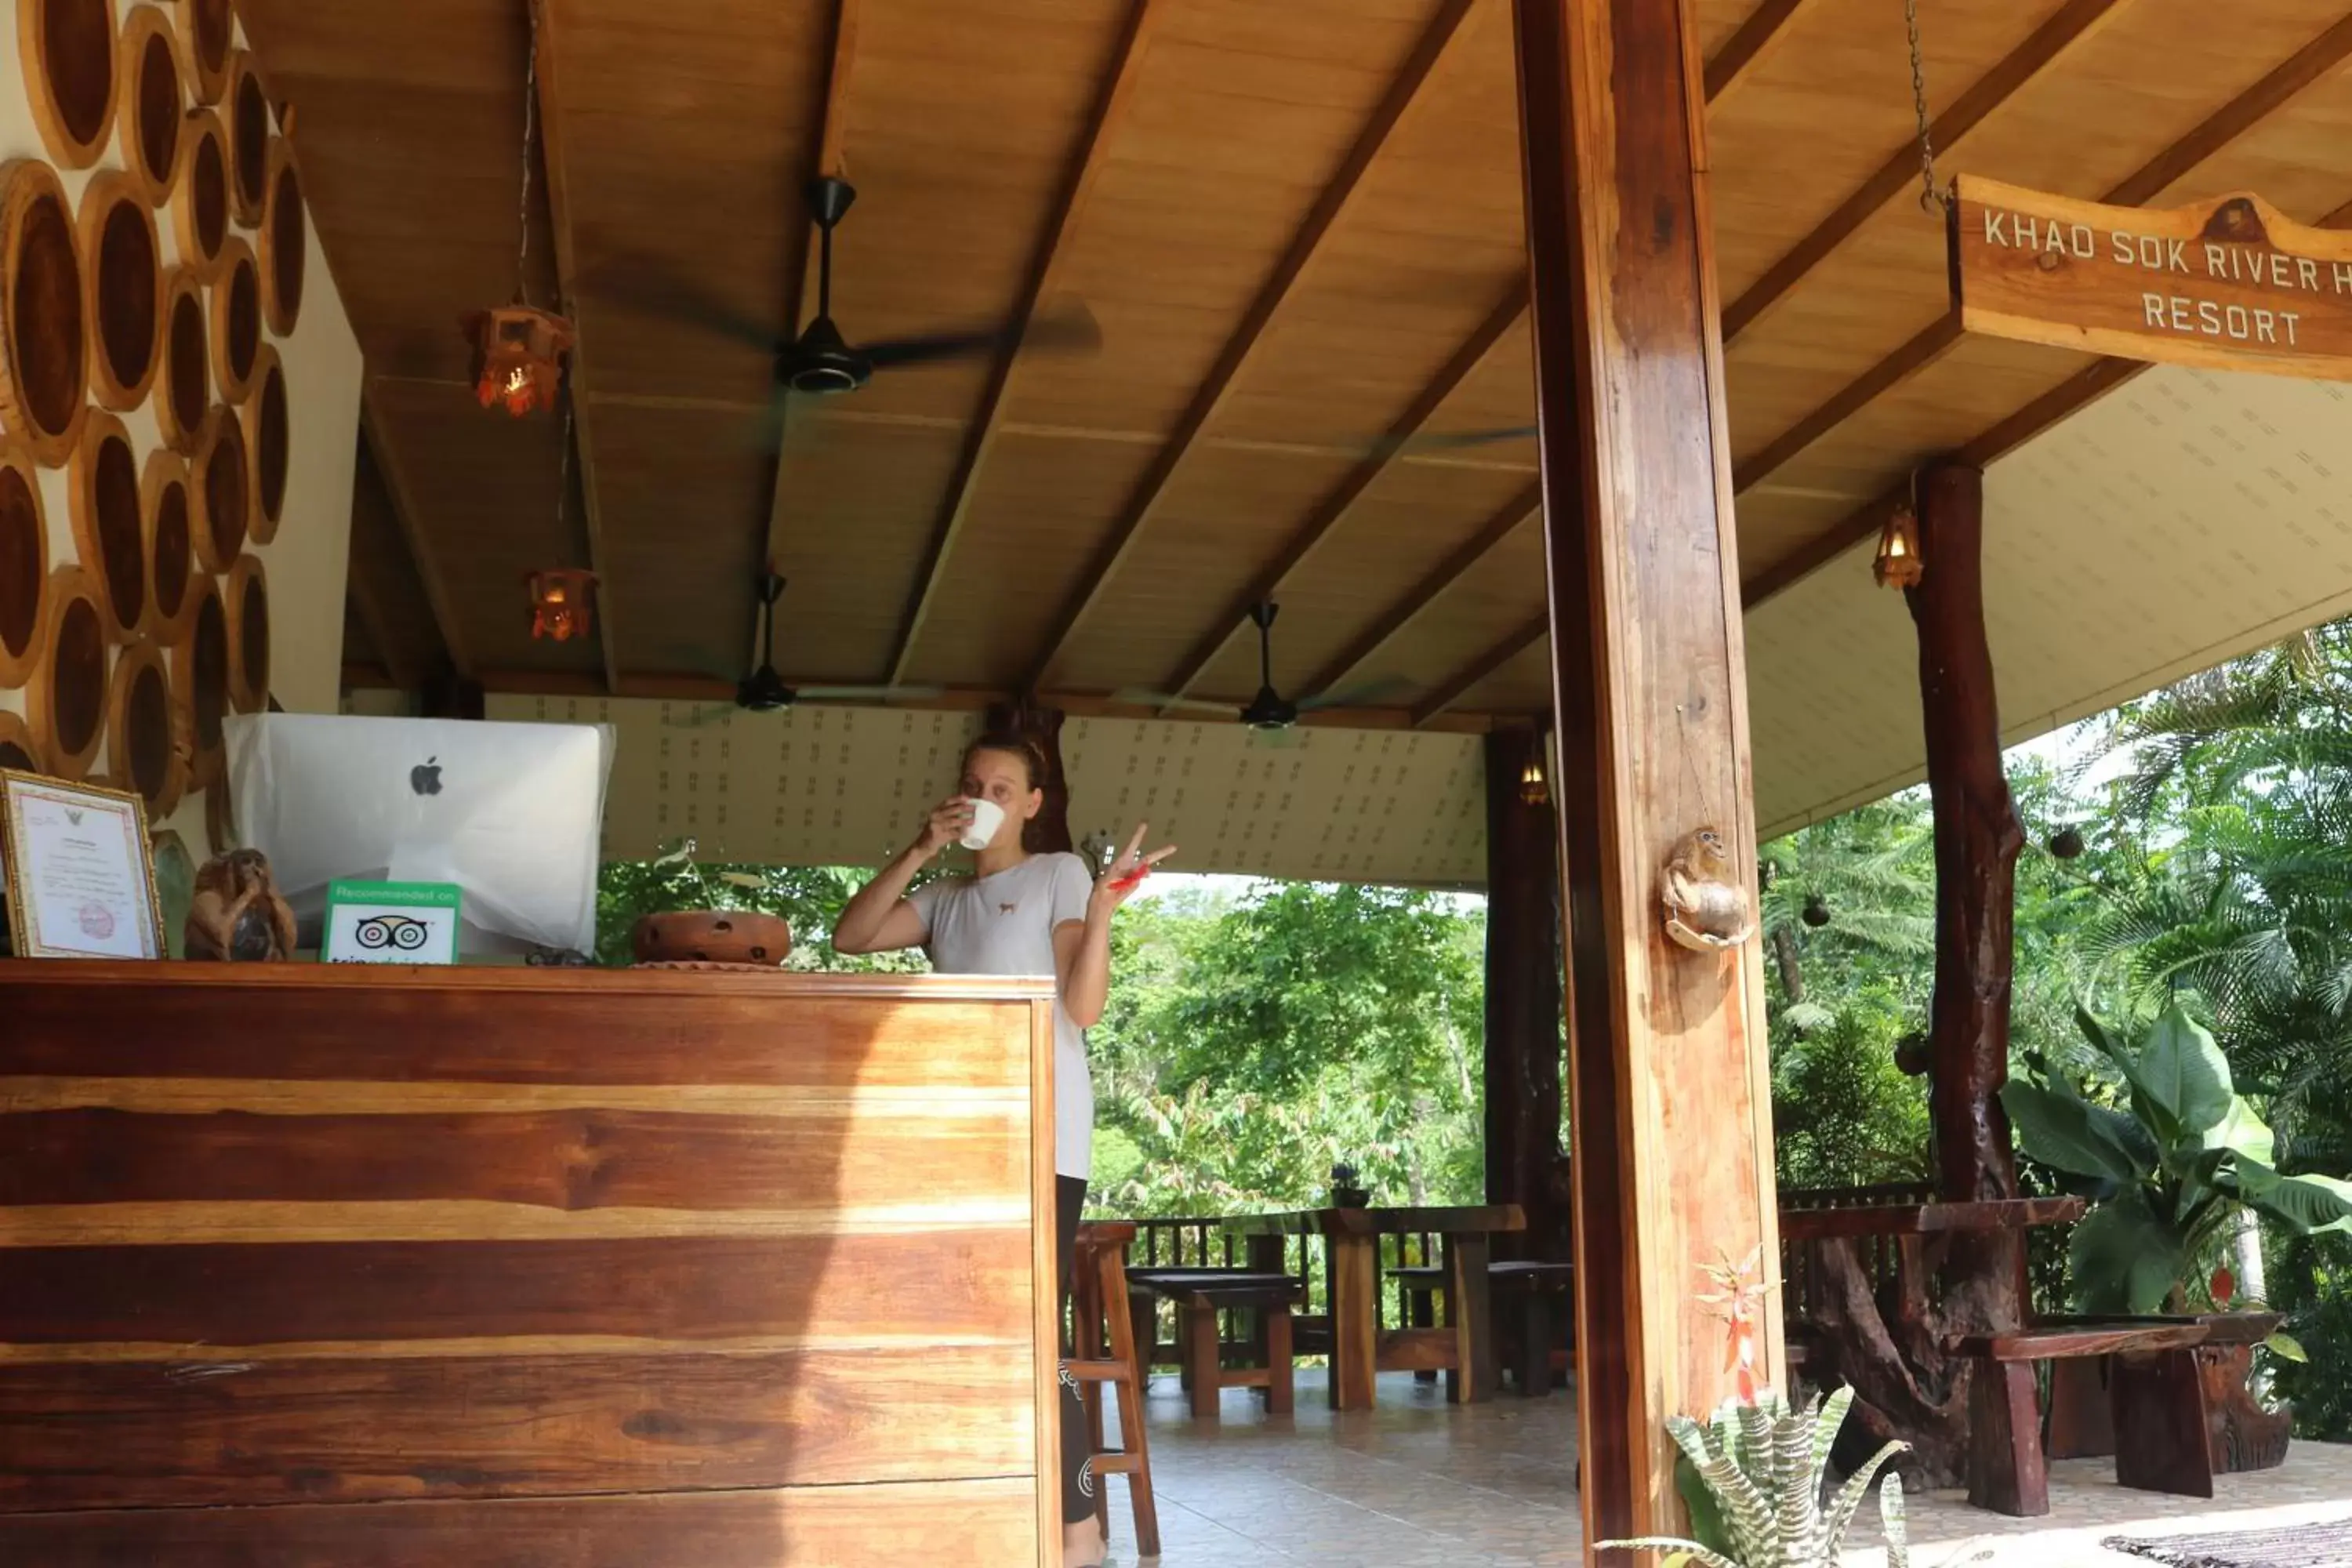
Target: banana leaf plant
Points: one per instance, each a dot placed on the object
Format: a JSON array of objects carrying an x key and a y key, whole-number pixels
[
  {"x": 1761, "y": 1469},
  {"x": 2169, "y": 1170}
]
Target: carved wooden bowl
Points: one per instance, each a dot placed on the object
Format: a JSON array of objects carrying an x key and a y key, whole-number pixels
[
  {"x": 123, "y": 278},
  {"x": 200, "y": 684},
  {"x": 269, "y": 444},
  {"x": 223, "y": 501},
  {"x": 199, "y": 203},
  {"x": 170, "y": 522},
  {"x": 110, "y": 531},
  {"x": 19, "y": 753},
  {"x": 244, "y": 606},
  {"x": 248, "y": 139},
  {"x": 139, "y": 729},
  {"x": 285, "y": 241},
  {"x": 68, "y": 51},
  {"x": 66, "y": 700},
  {"x": 44, "y": 348},
  {"x": 210, "y": 28},
  {"x": 150, "y": 101},
  {"x": 712, "y": 936},
  {"x": 24, "y": 566},
  {"x": 183, "y": 389},
  {"x": 237, "y": 321}
]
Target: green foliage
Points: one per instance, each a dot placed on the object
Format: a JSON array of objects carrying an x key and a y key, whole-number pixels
[{"x": 1843, "y": 1114}]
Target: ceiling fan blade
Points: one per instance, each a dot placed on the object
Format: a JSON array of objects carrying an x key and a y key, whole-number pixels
[
  {"x": 1381, "y": 693},
  {"x": 649, "y": 284},
  {"x": 1067, "y": 330},
  {"x": 1430, "y": 442},
  {"x": 1135, "y": 697},
  {"x": 703, "y": 717},
  {"x": 872, "y": 694}
]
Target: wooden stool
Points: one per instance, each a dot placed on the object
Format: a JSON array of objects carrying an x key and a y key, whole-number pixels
[
  {"x": 1199, "y": 1298},
  {"x": 1107, "y": 1354}
]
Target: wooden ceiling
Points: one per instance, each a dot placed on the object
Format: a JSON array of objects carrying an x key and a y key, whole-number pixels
[{"x": 1298, "y": 226}]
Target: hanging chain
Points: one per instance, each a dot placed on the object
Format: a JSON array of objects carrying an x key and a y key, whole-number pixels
[
  {"x": 1930, "y": 197},
  {"x": 529, "y": 118}
]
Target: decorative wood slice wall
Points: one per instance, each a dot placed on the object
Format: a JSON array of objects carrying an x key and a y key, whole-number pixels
[
  {"x": 24, "y": 566},
  {"x": 19, "y": 753},
  {"x": 224, "y": 501},
  {"x": 183, "y": 391},
  {"x": 43, "y": 359},
  {"x": 67, "y": 699},
  {"x": 200, "y": 203},
  {"x": 210, "y": 28},
  {"x": 68, "y": 49},
  {"x": 269, "y": 437},
  {"x": 138, "y": 730},
  {"x": 150, "y": 101},
  {"x": 244, "y": 601},
  {"x": 237, "y": 321},
  {"x": 170, "y": 520},
  {"x": 200, "y": 684},
  {"x": 108, "y": 529},
  {"x": 285, "y": 241},
  {"x": 248, "y": 139},
  {"x": 123, "y": 273}
]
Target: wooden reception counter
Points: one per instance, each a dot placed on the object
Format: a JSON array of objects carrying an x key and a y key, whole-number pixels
[{"x": 532, "y": 1268}]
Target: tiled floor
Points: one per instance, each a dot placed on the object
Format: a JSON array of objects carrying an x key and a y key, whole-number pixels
[{"x": 1417, "y": 1484}]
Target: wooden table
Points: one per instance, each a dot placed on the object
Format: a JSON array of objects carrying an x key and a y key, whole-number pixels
[{"x": 1463, "y": 1349}]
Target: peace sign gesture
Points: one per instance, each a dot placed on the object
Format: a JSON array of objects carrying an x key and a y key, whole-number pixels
[{"x": 1127, "y": 869}]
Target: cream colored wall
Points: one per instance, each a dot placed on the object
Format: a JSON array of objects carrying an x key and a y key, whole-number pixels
[{"x": 321, "y": 358}]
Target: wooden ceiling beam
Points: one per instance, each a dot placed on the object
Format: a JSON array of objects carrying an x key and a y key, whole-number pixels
[
  {"x": 2067, "y": 26},
  {"x": 412, "y": 533},
  {"x": 1460, "y": 684},
  {"x": 1745, "y": 52},
  {"x": 1514, "y": 515},
  {"x": 1045, "y": 269},
  {"x": 567, "y": 273},
  {"x": 1242, "y": 347},
  {"x": 1507, "y": 313}
]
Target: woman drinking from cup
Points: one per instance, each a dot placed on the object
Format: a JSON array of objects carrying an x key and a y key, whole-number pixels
[{"x": 1018, "y": 914}]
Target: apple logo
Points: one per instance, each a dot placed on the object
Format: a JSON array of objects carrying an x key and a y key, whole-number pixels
[{"x": 425, "y": 777}]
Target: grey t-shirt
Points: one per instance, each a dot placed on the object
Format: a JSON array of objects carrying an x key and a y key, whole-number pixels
[{"x": 1004, "y": 924}]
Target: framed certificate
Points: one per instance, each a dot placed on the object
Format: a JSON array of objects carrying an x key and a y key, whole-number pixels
[{"x": 79, "y": 873}]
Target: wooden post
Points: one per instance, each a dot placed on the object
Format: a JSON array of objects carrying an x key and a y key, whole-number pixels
[
  {"x": 1670, "y": 1103},
  {"x": 1523, "y": 984},
  {"x": 1049, "y": 832}
]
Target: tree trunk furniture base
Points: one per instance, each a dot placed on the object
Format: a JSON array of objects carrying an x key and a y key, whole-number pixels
[{"x": 2160, "y": 1437}]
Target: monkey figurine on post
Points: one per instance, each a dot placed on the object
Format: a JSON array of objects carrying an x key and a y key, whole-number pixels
[{"x": 236, "y": 915}]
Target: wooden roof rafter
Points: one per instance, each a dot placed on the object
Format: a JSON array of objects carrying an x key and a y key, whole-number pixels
[
  {"x": 1463, "y": 681},
  {"x": 1102, "y": 123},
  {"x": 1744, "y": 53},
  {"x": 1242, "y": 345},
  {"x": 420, "y": 548},
  {"x": 1507, "y": 313},
  {"x": 398, "y": 668}
]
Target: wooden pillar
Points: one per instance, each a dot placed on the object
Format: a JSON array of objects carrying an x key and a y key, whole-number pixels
[
  {"x": 1523, "y": 985},
  {"x": 1670, "y": 1095},
  {"x": 1049, "y": 832}
]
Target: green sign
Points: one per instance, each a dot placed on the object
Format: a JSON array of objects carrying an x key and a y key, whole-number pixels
[{"x": 391, "y": 922}]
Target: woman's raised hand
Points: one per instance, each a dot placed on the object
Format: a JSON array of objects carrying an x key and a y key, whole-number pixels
[
  {"x": 1128, "y": 869},
  {"x": 945, "y": 826}
]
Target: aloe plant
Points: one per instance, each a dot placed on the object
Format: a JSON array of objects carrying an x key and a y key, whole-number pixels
[{"x": 1764, "y": 1467}]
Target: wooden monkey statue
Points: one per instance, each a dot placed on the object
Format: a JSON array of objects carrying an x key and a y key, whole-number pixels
[{"x": 236, "y": 915}]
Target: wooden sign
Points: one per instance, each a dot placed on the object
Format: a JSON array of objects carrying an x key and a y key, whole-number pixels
[{"x": 2229, "y": 284}]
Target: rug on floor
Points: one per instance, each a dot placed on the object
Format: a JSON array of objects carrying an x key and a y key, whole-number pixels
[{"x": 2304, "y": 1546}]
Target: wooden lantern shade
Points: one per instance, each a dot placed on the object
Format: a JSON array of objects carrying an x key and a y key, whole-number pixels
[
  {"x": 248, "y": 139},
  {"x": 183, "y": 389},
  {"x": 244, "y": 606},
  {"x": 66, "y": 700},
  {"x": 269, "y": 440},
  {"x": 517, "y": 356},
  {"x": 150, "y": 101},
  {"x": 19, "y": 753},
  {"x": 139, "y": 729},
  {"x": 224, "y": 501},
  {"x": 237, "y": 321},
  {"x": 210, "y": 28},
  {"x": 68, "y": 49},
  {"x": 200, "y": 684},
  {"x": 44, "y": 350},
  {"x": 285, "y": 241},
  {"x": 560, "y": 605},
  {"x": 171, "y": 544},
  {"x": 1899, "y": 563},
  {"x": 109, "y": 531},
  {"x": 24, "y": 566},
  {"x": 123, "y": 278},
  {"x": 200, "y": 202}
]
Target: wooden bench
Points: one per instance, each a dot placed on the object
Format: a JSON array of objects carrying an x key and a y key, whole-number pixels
[
  {"x": 1532, "y": 1313},
  {"x": 1209, "y": 1361}
]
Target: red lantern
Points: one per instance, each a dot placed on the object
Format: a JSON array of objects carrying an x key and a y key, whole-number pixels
[
  {"x": 517, "y": 356},
  {"x": 559, "y": 604}
]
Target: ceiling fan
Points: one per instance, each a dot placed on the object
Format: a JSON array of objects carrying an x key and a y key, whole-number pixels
[
  {"x": 1272, "y": 717},
  {"x": 764, "y": 691},
  {"x": 822, "y": 361}
]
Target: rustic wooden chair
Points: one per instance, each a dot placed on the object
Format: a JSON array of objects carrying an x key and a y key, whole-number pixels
[{"x": 1106, "y": 1350}]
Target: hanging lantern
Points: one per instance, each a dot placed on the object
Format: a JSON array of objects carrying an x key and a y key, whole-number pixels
[
  {"x": 1898, "y": 564},
  {"x": 559, "y": 604},
  {"x": 1533, "y": 789},
  {"x": 517, "y": 356},
  {"x": 1817, "y": 911},
  {"x": 2066, "y": 843}
]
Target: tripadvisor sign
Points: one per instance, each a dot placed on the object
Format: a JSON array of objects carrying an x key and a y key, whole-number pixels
[{"x": 2229, "y": 284}]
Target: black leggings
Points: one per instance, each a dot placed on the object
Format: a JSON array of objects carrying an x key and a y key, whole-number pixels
[{"x": 1077, "y": 1456}]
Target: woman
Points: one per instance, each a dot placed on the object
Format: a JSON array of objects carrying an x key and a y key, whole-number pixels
[{"x": 1018, "y": 913}]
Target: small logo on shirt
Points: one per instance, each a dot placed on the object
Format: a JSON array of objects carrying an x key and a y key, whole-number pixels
[{"x": 1006, "y": 909}]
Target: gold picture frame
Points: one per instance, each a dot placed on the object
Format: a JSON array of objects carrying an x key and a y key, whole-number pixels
[{"x": 31, "y": 807}]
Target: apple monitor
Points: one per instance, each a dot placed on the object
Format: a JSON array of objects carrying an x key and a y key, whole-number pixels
[{"x": 511, "y": 814}]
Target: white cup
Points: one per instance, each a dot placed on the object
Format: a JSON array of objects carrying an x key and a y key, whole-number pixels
[{"x": 987, "y": 816}]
